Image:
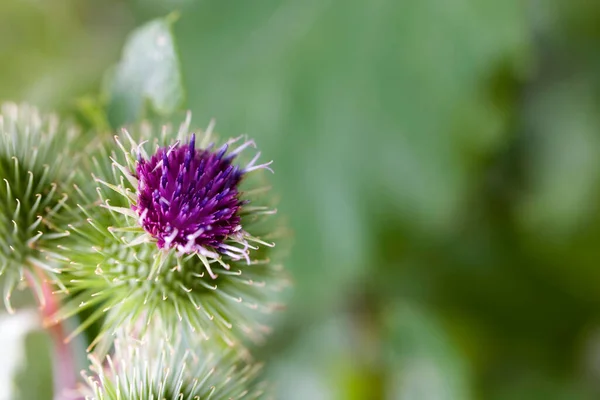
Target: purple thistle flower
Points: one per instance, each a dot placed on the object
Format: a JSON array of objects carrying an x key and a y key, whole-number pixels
[{"x": 188, "y": 198}]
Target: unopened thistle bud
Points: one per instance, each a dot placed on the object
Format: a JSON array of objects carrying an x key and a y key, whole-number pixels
[
  {"x": 183, "y": 233},
  {"x": 33, "y": 171},
  {"x": 155, "y": 368}
]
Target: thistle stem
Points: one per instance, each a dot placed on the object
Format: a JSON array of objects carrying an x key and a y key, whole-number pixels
[{"x": 64, "y": 369}]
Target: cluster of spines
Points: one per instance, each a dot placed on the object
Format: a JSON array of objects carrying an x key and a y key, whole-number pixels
[
  {"x": 34, "y": 149},
  {"x": 160, "y": 369},
  {"x": 121, "y": 275}
]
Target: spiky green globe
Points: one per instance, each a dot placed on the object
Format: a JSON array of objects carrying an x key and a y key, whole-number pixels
[
  {"x": 35, "y": 166},
  {"x": 120, "y": 273},
  {"x": 155, "y": 368}
]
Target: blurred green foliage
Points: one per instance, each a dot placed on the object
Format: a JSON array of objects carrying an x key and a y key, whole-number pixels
[
  {"x": 149, "y": 72},
  {"x": 438, "y": 162},
  {"x": 34, "y": 380}
]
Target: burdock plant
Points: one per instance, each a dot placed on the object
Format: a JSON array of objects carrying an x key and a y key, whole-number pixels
[
  {"x": 176, "y": 229},
  {"x": 161, "y": 236}
]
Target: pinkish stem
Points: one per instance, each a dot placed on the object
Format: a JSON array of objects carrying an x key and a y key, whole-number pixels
[{"x": 64, "y": 369}]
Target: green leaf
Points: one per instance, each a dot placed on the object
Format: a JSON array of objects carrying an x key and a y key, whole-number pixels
[{"x": 148, "y": 75}]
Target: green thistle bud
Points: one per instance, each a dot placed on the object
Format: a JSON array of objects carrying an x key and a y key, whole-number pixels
[
  {"x": 156, "y": 368},
  {"x": 195, "y": 249},
  {"x": 34, "y": 166}
]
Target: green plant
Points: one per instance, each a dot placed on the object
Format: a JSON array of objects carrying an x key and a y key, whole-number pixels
[{"x": 156, "y": 236}]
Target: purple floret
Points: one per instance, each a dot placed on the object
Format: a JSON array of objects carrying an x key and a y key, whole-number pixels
[{"x": 188, "y": 198}]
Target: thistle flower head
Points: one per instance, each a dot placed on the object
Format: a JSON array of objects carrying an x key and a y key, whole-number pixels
[
  {"x": 188, "y": 198},
  {"x": 184, "y": 235},
  {"x": 155, "y": 368},
  {"x": 34, "y": 149}
]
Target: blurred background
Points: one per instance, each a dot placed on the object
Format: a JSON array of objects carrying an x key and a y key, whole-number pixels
[{"x": 438, "y": 161}]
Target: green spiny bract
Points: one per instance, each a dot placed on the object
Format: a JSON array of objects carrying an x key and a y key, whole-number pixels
[
  {"x": 156, "y": 368},
  {"x": 34, "y": 168},
  {"x": 119, "y": 273}
]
